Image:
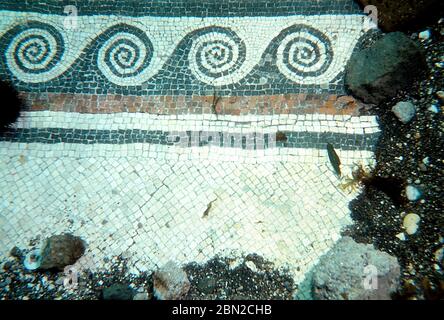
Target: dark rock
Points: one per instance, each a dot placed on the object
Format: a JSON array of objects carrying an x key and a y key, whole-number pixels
[
  {"x": 12, "y": 105},
  {"x": 207, "y": 285},
  {"x": 117, "y": 291},
  {"x": 405, "y": 15},
  {"x": 5, "y": 282},
  {"x": 377, "y": 73},
  {"x": 8, "y": 265},
  {"x": 16, "y": 253},
  {"x": 343, "y": 273},
  {"x": 60, "y": 251}
]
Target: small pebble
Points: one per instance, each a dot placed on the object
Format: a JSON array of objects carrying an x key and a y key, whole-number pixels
[
  {"x": 434, "y": 108},
  {"x": 401, "y": 236},
  {"x": 251, "y": 266},
  {"x": 439, "y": 254},
  {"x": 410, "y": 223},
  {"x": 141, "y": 296},
  {"x": 404, "y": 111},
  {"x": 412, "y": 193},
  {"x": 32, "y": 260},
  {"x": 440, "y": 95},
  {"x": 424, "y": 35}
]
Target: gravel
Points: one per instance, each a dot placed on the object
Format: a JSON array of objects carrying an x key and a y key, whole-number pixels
[
  {"x": 235, "y": 280},
  {"x": 217, "y": 279},
  {"x": 412, "y": 153}
]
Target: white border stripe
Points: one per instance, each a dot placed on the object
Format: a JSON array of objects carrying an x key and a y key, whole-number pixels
[
  {"x": 146, "y": 150},
  {"x": 203, "y": 122}
]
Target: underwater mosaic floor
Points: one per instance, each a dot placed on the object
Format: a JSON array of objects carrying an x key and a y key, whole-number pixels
[{"x": 155, "y": 130}]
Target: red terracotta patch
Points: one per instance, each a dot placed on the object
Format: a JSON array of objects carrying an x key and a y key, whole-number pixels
[{"x": 234, "y": 105}]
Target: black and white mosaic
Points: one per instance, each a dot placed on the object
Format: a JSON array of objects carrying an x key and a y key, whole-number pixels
[
  {"x": 311, "y": 131},
  {"x": 142, "y": 185},
  {"x": 125, "y": 53},
  {"x": 249, "y": 141},
  {"x": 188, "y": 8},
  {"x": 178, "y": 56},
  {"x": 34, "y": 50},
  {"x": 303, "y": 53},
  {"x": 215, "y": 54}
]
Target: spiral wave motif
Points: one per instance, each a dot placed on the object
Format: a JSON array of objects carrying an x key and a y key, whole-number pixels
[
  {"x": 35, "y": 48},
  {"x": 215, "y": 54},
  {"x": 303, "y": 52},
  {"x": 126, "y": 52}
]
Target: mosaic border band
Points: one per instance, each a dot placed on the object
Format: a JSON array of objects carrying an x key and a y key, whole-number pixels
[
  {"x": 188, "y": 8},
  {"x": 253, "y": 141},
  {"x": 308, "y": 131},
  {"x": 198, "y": 105},
  {"x": 178, "y": 56}
]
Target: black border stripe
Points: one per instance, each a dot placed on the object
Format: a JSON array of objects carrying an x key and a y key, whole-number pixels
[
  {"x": 316, "y": 140},
  {"x": 187, "y": 8}
]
